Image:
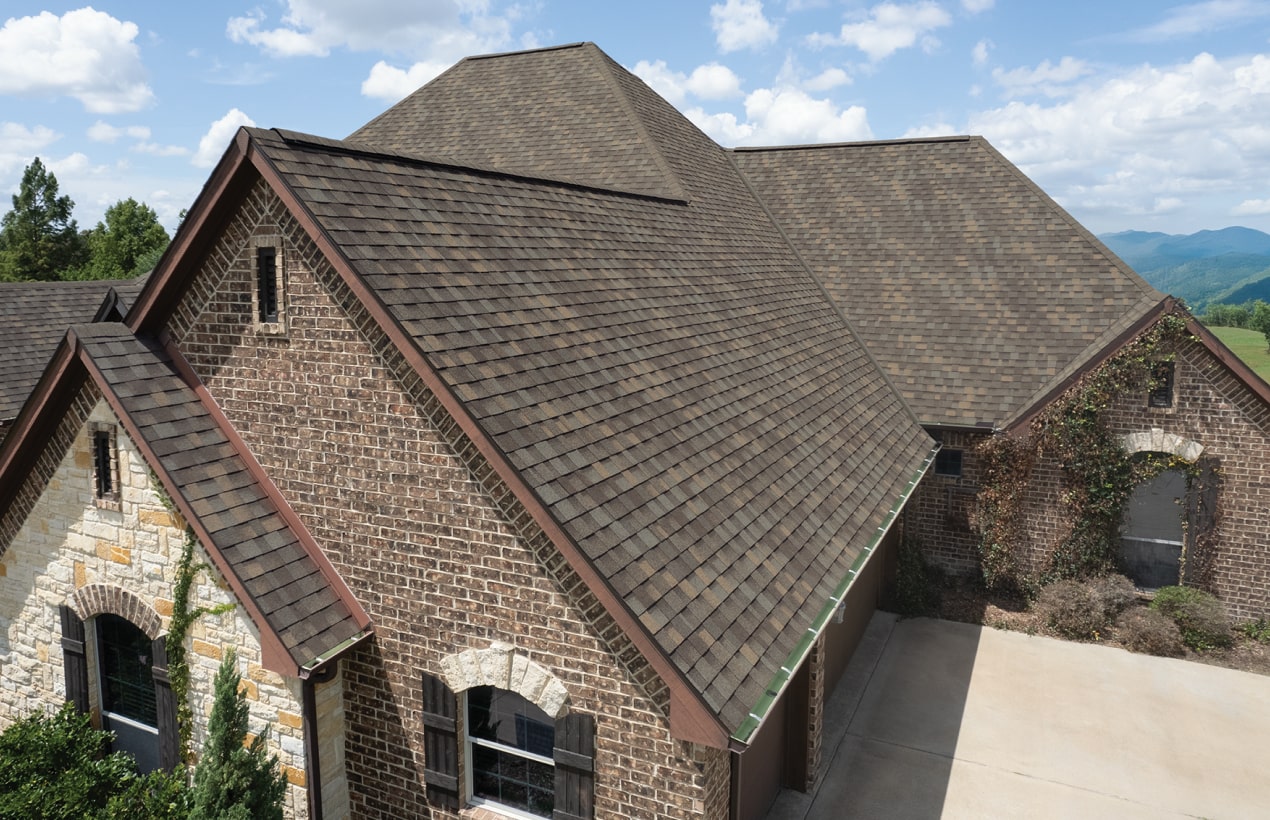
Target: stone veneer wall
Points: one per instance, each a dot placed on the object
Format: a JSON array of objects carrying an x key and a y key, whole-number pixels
[
  {"x": 425, "y": 535},
  {"x": 67, "y": 550}
]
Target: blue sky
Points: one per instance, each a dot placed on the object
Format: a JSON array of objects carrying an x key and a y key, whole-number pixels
[{"x": 1133, "y": 115}]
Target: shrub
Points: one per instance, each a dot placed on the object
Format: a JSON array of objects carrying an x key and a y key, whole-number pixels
[
  {"x": 1258, "y": 630},
  {"x": 1072, "y": 609},
  {"x": 1149, "y": 631},
  {"x": 1200, "y": 616},
  {"x": 55, "y": 766},
  {"x": 916, "y": 581},
  {"x": 1115, "y": 592}
]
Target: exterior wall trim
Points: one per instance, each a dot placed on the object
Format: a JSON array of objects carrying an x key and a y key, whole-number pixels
[
  {"x": 100, "y": 599},
  {"x": 1156, "y": 440},
  {"x": 502, "y": 667}
]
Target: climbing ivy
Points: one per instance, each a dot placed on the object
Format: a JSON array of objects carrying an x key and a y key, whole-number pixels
[{"x": 1098, "y": 475}]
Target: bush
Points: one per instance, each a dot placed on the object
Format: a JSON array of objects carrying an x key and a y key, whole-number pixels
[
  {"x": 1201, "y": 617},
  {"x": 55, "y": 766},
  {"x": 1115, "y": 592},
  {"x": 1150, "y": 632},
  {"x": 1072, "y": 609},
  {"x": 1258, "y": 630}
]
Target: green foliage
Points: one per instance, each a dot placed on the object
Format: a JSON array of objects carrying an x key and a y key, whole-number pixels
[
  {"x": 55, "y": 767},
  {"x": 39, "y": 238},
  {"x": 917, "y": 582},
  {"x": 1220, "y": 315},
  {"x": 1200, "y": 616},
  {"x": 126, "y": 244},
  {"x": 1150, "y": 632},
  {"x": 232, "y": 782},
  {"x": 158, "y": 795},
  {"x": 1258, "y": 630},
  {"x": 1260, "y": 321}
]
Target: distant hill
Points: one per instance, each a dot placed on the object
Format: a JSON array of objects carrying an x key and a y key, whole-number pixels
[{"x": 1231, "y": 265}]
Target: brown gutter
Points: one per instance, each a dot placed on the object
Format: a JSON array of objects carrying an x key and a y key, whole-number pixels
[
  {"x": 257, "y": 472},
  {"x": 1025, "y": 418},
  {"x": 690, "y": 717},
  {"x": 308, "y": 716}
]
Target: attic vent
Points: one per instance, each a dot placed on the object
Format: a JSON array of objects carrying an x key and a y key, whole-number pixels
[{"x": 269, "y": 295}]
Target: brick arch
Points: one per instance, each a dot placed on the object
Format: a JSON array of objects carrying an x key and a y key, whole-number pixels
[
  {"x": 98, "y": 599},
  {"x": 500, "y": 666},
  {"x": 1156, "y": 440}
]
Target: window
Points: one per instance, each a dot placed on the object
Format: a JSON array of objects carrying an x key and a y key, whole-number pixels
[
  {"x": 948, "y": 462},
  {"x": 510, "y": 746},
  {"x": 269, "y": 296},
  {"x": 1161, "y": 393},
  {"x": 105, "y": 466},
  {"x": 125, "y": 661}
]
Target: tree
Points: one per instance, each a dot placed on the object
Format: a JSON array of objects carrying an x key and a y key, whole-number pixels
[
  {"x": 38, "y": 238},
  {"x": 1260, "y": 320},
  {"x": 127, "y": 243},
  {"x": 233, "y": 782}
]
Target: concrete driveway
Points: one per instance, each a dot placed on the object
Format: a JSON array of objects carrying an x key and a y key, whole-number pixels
[{"x": 938, "y": 719}]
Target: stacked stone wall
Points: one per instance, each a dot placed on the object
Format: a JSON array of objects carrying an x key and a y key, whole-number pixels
[{"x": 427, "y": 537}]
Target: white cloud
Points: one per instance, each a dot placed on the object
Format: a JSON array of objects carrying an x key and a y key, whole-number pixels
[
  {"x": 1201, "y": 18},
  {"x": 977, "y": 6},
  {"x": 827, "y": 80},
  {"x": 437, "y": 30},
  {"x": 214, "y": 142},
  {"x": 889, "y": 27},
  {"x": 104, "y": 132},
  {"x": 1147, "y": 140},
  {"x": 980, "y": 52},
  {"x": 1252, "y": 207},
  {"x": 941, "y": 129},
  {"x": 785, "y": 116},
  {"x": 708, "y": 82},
  {"x": 741, "y": 24},
  {"x": 19, "y": 145},
  {"x": 1047, "y": 78},
  {"x": 391, "y": 84},
  {"x": 156, "y": 150},
  {"x": 85, "y": 54}
]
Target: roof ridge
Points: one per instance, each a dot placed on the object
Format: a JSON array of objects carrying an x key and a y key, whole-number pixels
[
  {"x": 496, "y": 54},
  {"x": 812, "y": 146},
  {"x": 352, "y": 147}
]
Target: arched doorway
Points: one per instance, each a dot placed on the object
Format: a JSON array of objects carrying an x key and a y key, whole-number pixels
[
  {"x": 1152, "y": 536},
  {"x": 125, "y": 678}
]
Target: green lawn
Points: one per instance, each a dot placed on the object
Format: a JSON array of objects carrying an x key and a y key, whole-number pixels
[{"x": 1248, "y": 345}]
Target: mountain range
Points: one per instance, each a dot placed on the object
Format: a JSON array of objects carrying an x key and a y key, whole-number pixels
[{"x": 1230, "y": 266}]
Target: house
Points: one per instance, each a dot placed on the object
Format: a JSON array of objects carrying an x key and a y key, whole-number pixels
[
  {"x": 510, "y": 443},
  {"x": 986, "y": 304}
]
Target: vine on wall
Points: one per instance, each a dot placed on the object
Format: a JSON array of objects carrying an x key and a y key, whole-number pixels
[{"x": 1098, "y": 475}]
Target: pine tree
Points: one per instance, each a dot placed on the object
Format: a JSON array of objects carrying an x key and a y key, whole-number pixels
[
  {"x": 233, "y": 782},
  {"x": 39, "y": 238}
]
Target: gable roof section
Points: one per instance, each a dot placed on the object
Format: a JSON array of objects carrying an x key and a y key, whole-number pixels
[
  {"x": 304, "y": 613},
  {"x": 974, "y": 289},
  {"x": 555, "y": 113},
  {"x": 34, "y": 317}
]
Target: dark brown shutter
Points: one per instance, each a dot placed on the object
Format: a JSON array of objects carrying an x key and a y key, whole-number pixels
[
  {"x": 575, "y": 767},
  {"x": 165, "y": 703},
  {"x": 74, "y": 660},
  {"x": 440, "y": 743}
]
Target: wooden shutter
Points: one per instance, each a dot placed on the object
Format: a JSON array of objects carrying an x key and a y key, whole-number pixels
[
  {"x": 575, "y": 767},
  {"x": 74, "y": 659},
  {"x": 440, "y": 743},
  {"x": 165, "y": 703}
]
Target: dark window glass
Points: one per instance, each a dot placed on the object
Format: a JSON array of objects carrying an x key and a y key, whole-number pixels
[
  {"x": 508, "y": 733},
  {"x": 1161, "y": 394},
  {"x": 267, "y": 283},
  {"x": 948, "y": 462},
  {"x": 104, "y": 463},
  {"x": 127, "y": 683}
]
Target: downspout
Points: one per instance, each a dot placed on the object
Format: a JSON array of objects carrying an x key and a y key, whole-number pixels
[
  {"x": 781, "y": 680},
  {"x": 312, "y": 759}
]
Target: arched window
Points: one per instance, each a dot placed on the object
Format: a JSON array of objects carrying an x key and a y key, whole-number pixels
[
  {"x": 125, "y": 675},
  {"x": 510, "y": 743},
  {"x": 1151, "y": 538}
]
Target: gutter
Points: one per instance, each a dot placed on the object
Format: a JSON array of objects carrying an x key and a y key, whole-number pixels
[
  {"x": 780, "y": 681},
  {"x": 308, "y": 714}
]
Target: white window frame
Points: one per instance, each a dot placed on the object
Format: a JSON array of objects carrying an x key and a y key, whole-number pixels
[{"x": 469, "y": 765}]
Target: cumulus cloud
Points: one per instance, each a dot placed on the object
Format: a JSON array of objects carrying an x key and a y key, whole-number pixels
[
  {"x": 741, "y": 24},
  {"x": 104, "y": 132},
  {"x": 707, "y": 82},
  {"x": 1252, "y": 207},
  {"x": 391, "y": 84},
  {"x": 1047, "y": 78},
  {"x": 980, "y": 52},
  {"x": 827, "y": 80},
  {"x": 214, "y": 142},
  {"x": 19, "y": 144},
  {"x": 1146, "y": 140},
  {"x": 889, "y": 27},
  {"x": 439, "y": 30},
  {"x": 84, "y": 54},
  {"x": 785, "y": 116}
]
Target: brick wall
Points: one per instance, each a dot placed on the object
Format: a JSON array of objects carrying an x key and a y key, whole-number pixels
[
  {"x": 436, "y": 549},
  {"x": 940, "y": 511},
  {"x": 63, "y": 548}
]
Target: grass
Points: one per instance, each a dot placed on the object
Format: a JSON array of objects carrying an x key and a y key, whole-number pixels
[{"x": 1249, "y": 345}]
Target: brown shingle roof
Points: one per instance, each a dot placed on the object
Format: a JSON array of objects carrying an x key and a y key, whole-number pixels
[
  {"x": 971, "y": 286},
  {"x": 261, "y": 552},
  {"x": 34, "y": 317},
  {"x": 665, "y": 375}
]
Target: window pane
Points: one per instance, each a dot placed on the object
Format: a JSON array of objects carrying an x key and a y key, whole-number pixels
[
  {"x": 507, "y": 778},
  {"x": 503, "y": 775},
  {"x": 127, "y": 683}
]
